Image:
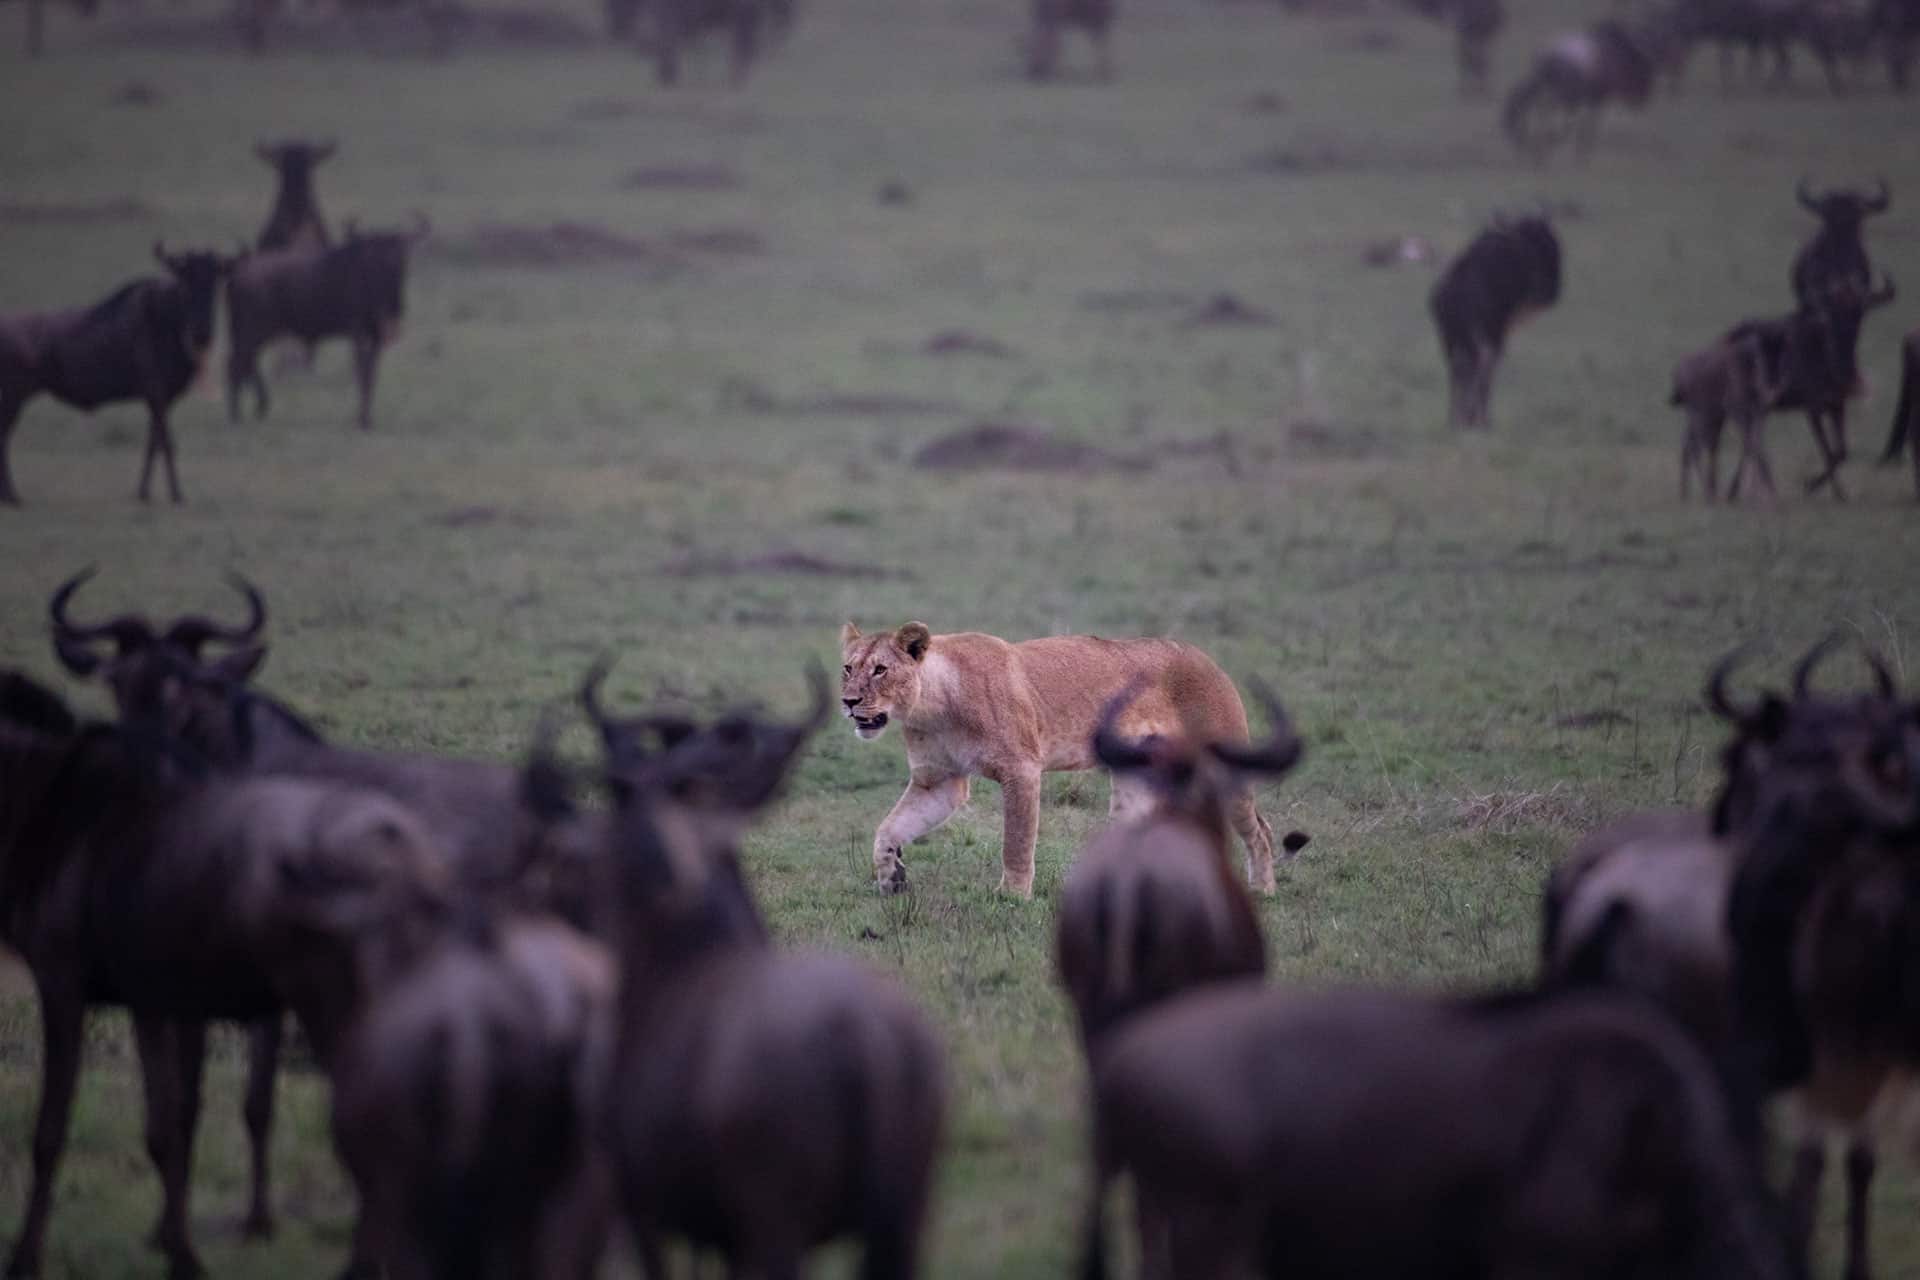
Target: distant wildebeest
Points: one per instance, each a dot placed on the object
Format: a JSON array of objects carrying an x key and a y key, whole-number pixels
[
  {"x": 1906, "y": 414},
  {"x": 37, "y": 22},
  {"x": 762, "y": 1103},
  {"x": 296, "y": 221},
  {"x": 1053, "y": 19},
  {"x": 1475, "y": 23},
  {"x": 1152, "y": 907},
  {"x": 1835, "y": 258},
  {"x": 1510, "y": 271},
  {"x": 146, "y": 342},
  {"x": 1364, "y": 1135},
  {"x": 1725, "y": 381},
  {"x": 679, "y": 24},
  {"x": 125, "y": 869},
  {"x": 1810, "y": 361},
  {"x": 1571, "y": 81},
  {"x": 354, "y": 290},
  {"x": 1895, "y": 26}
]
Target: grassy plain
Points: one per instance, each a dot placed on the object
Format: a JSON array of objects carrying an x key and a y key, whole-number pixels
[{"x": 1491, "y": 642}]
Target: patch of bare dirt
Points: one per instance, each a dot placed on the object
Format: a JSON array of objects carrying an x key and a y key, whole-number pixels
[
  {"x": 67, "y": 213},
  {"x": 1507, "y": 811},
  {"x": 965, "y": 342},
  {"x": 894, "y": 194},
  {"x": 480, "y": 516},
  {"x": 686, "y": 177},
  {"x": 783, "y": 561},
  {"x": 1398, "y": 251},
  {"x": 744, "y": 393},
  {"x": 1266, "y": 104},
  {"x": 137, "y": 93},
  {"x": 555, "y": 245},
  {"x": 1008, "y": 446},
  {"x": 1225, "y": 311},
  {"x": 1313, "y": 438}
]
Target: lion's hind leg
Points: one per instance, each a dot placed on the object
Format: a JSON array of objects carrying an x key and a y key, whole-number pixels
[{"x": 1257, "y": 835}]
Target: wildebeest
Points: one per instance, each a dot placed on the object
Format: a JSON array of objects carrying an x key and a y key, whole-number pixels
[
  {"x": 1906, "y": 413},
  {"x": 1359, "y": 1134},
  {"x": 678, "y": 24},
  {"x": 1896, "y": 26},
  {"x": 124, "y": 873},
  {"x": 146, "y": 342},
  {"x": 1053, "y": 19},
  {"x": 1809, "y": 361},
  {"x": 762, "y": 1103},
  {"x": 1835, "y": 259},
  {"x": 296, "y": 221},
  {"x": 1510, "y": 271},
  {"x": 1475, "y": 23},
  {"x": 1727, "y": 380},
  {"x": 354, "y": 290},
  {"x": 1766, "y": 29},
  {"x": 1572, "y": 80},
  {"x": 1152, "y": 906}
]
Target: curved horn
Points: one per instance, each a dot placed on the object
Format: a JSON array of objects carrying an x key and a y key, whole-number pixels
[
  {"x": 1883, "y": 295},
  {"x": 1282, "y": 749},
  {"x": 1717, "y": 699},
  {"x": 74, "y": 642},
  {"x": 1109, "y": 748},
  {"x": 1803, "y": 670},
  {"x": 1882, "y": 198},
  {"x": 1806, "y": 196},
  {"x": 1883, "y": 681},
  {"x": 196, "y": 630},
  {"x": 608, "y": 728}
]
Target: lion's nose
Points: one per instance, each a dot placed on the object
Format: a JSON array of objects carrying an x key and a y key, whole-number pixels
[{"x": 850, "y": 703}]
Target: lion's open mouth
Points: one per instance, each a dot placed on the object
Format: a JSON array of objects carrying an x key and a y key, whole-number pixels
[{"x": 870, "y": 726}]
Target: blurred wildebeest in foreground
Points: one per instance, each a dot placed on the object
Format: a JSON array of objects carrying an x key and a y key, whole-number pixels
[
  {"x": 1053, "y": 19},
  {"x": 1475, "y": 23},
  {"x": 1906, "y": 414},
  {"x": 1510, "y": 271},
  {"x": 1369, "y": 1134},
  {"x": 1835, "y": 259},
  {"x": 354, "y": 290},
  {"x": 1572, "y": 80},
  {"x": 762, "y": 1103},
  {"x": 146, "y": 342},
  {"x": 296, "y": 221}
]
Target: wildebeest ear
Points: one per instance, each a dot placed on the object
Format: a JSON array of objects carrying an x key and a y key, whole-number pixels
[
  {"x": 913, "y": 640},
  {"x": 268, "y": 155},
  {"x": 239, "y": 666},
  {"x": 325, "y": 150},
  {"x": 161, "y": 256},
  {"x": 848, "y": 634}
]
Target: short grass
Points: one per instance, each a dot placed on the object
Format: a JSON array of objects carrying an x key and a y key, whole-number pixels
[{"x": 1491, "y": 642}]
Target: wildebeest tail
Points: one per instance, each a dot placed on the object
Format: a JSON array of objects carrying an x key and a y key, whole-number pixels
[{"x": 1908, "y": 408}]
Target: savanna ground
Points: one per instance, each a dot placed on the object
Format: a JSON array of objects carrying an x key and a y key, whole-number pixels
[{"x": 685, "y": 430}]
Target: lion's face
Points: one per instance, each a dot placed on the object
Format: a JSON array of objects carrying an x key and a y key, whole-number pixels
[{"x": 880, "y": 675}]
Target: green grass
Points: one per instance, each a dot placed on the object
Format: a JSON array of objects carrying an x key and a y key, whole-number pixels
[{"x": 553, "y": 443}]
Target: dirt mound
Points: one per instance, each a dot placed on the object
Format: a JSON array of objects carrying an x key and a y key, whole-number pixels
[
  {"x": 1007, "y": 446},
  {"x": 1225, "y": 311},
  {"x": 690, "y": 177},
  {"x": 722, "y": 241},
  {"x": 965, "y": 342},
  {"x": 784, "y": 561},
  {"x": 137, "y": 93},
  {"x": 555, "y": 245},
  {"x": 744, "y": 393},
  {"x": 29, "y": 213}
]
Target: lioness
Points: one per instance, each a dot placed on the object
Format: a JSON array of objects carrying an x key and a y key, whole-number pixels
[{"x": 974, "y": 704}]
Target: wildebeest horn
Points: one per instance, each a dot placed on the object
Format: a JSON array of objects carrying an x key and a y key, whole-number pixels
[
  {"x": 1803, "y": 670},
  {"x": 323, "y": 150},
  {"x": 1883, "y": 681},
  {"x": 1879, "y": 202},
  {"x": 74, "y": 642},
  {"x": 621, "y": 736},
  {"x": 1109, "y": 748},
  {"x": 1807, "y": 199},
  {"x": 1282, "y": 749},
  {"x": 195, "y": 630},
  {"x": 546, "y": 784},
  {"x": 1883, "y": 295},
  {"x": 590, "y": 699},
  {"x": 1717, "y": 699}
]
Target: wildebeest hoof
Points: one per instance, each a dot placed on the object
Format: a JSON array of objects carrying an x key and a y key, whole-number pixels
[{"x": 894, "y": 881}]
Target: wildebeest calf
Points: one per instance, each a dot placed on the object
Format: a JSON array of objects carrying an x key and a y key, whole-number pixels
[
  {"x": 1511, "y": 270},
  {"x": 354, "y": 290},
  {"x": 146, "y": 342},
  {"x": 1727, "y": 380}
]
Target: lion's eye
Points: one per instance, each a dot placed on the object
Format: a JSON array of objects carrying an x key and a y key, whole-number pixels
[
  {"x": 847, "y": 670},
  {"x": 879, "y": 670}
]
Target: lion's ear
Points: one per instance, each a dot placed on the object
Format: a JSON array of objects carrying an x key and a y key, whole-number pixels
[
  {"x": 848, "y": 634},
  {"x": 913, "y": 640}
]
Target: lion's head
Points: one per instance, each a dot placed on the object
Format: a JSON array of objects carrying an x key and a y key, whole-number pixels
[{"x": 880, "y": 674}]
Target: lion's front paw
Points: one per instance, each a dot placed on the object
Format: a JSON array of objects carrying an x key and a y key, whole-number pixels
[{"x": 894, "y": 880}]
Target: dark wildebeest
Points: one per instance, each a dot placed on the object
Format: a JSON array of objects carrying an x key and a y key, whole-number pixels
[
  {"x": 1895, "y": 25},
  {"x": 1368, "y": 1135},
  {"x": 146, "y": 342},
  {"x": 37, "y": 22},
  {"x": 1906, "y": 414},
  {"x": 354, "y": 290},
  {"x": 678, "y": 24},
  {"x": 1835, "y": 259},
  {"x": 1511, "y": 270},
  {"x": 1728, "y": 380},
  {"x": 1052, "y": 19},
  {"x": 1571, "y": 81},
  {"x": 296, "y": 221},
  {"x": 1475, "y": 23},
  {"x": 124, "y": 873},
  {"x": 762, "y": 1103},
  {"x": 1810, "y": 362}
]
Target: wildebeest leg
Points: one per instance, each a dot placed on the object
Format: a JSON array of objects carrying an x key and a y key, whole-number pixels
[
  {"x": 746, "y": 39},
  {"x": 263, "y": 1063},
  {"x": 158, "y": 433},
  {"x": 1860, "y": 1165},
  {"x": 1832, "y": 454},
  {"x": 1487, "y": 359},
  {"x": 163, "y": 1068},
  {"x": 243, "y": 370},
  {"x": 1043, "y": 50},
  {"x": 10, "y": 407},
  {"x": 1803, "y": 1191},
  {"x": 62, "y": 1019},
  {"x": 366, "y": 363}
]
